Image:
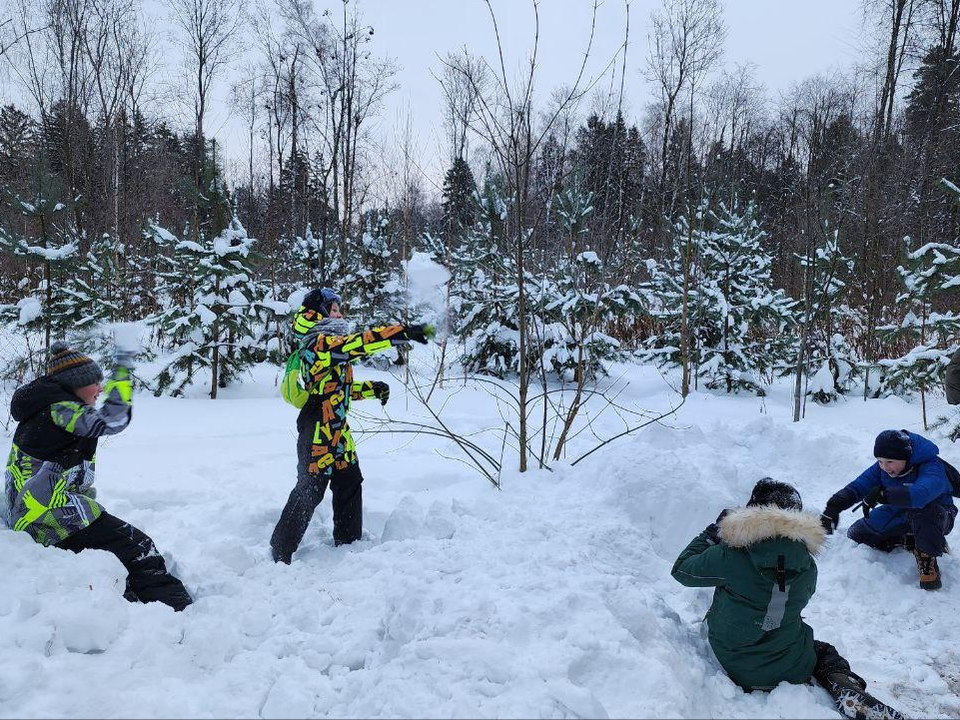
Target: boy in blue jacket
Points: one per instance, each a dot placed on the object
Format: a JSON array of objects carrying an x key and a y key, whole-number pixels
[{"x": 907, "y": 500}]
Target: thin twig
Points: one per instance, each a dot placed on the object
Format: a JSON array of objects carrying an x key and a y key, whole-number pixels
[{"x": 627, "y": 432}]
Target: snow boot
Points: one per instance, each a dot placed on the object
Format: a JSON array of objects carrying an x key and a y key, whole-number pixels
[
  {"x": 929, "y": 571},
  {"x": 852, "y": 701}
]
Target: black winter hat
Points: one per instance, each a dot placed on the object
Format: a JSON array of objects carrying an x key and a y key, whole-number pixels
[
  {"x": 71, "y": 368},
  {"x": 773, "y": 492},
  {"x": 321, "y": 299},
  {"x": 893, "y": 445}
]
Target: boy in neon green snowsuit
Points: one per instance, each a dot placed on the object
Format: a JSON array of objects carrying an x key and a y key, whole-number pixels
[
  {"x": 319, "y": 381},
  {"x": 50, "y": 470}
]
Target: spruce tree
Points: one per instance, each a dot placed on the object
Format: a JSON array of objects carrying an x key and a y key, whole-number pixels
[
  {"x": 459, "y": 206},
  {"x": 46, "y": 239},
  {"x": 930, "y": 272},
  {"x": 92, "y": 292},
  {"x": 230, "y": 292},
  {"x": 173, "y": 281},
  {"x": 579, "y": 303},
  {"x": 372, "y": 290},
  {"x": 825, "y": 359},
  {"x": 665, "y": 294},
  {"x": 18, "y": 145},
  {"x": 738, "y": 322},
  {"x": 220, "y": 323},
  {"x": 486, "y": 284}
]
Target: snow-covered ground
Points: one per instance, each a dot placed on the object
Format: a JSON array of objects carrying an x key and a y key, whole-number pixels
[{"x": 548, "y": 598}]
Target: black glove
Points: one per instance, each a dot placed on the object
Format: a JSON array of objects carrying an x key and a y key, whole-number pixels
[
  {"x": 420, "y": 333},
  {"x": 381, "y": 391},
  {"x": 830, "y": 518},
  {"x": 877, "y": 496},
  {"x": 842, "y": 500},
  {"x": 712, "y": 531}
]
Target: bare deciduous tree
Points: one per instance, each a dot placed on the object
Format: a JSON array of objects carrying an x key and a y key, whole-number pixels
[
  {"x": 208, "y": 35},
  {"x": 685, "y": 43},
  {"x": 505, "y": 118},
  {"x": 353, "y": 84}
]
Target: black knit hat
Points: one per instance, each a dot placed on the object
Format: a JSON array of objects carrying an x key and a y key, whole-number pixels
[
  {"x": 321, "y": 299},
  {"x": 71, "y": 368},
  {"x": 773, "y": 492},
  {"x": 893, "y": 445}
]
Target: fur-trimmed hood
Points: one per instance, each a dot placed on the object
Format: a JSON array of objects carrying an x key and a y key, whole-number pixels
[{"x": 744, "y": 527}]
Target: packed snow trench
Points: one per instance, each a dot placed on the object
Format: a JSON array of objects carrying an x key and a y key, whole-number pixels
[{"x": 548, "y": 598}]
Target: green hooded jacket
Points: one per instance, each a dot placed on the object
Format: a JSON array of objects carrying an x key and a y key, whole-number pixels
[{"x": 764, "y": 574}]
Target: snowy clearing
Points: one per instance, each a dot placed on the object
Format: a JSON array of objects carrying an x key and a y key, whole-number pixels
[{"x": 549, "y": 598}]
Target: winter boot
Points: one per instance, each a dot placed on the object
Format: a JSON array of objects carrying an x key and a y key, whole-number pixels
[
  {"x": 929, "y": 571},
  {"x": 848, "y": 692}
]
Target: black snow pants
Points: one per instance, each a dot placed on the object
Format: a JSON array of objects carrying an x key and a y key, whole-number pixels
[
  {"x": 886, "y": 527},
  {"x": 829, "y": 661},
  {"x": 347, "y": 488},
  {"x": 147, "y": 576}
]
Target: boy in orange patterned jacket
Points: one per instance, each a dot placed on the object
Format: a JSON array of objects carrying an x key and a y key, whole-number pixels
[{"x": 319, "y": 381}]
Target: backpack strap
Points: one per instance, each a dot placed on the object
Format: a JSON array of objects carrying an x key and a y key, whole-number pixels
[{"x": 779, "y": 595}]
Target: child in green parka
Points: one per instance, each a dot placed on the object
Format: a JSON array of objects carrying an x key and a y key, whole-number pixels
[{"x": 760, "y": 559}]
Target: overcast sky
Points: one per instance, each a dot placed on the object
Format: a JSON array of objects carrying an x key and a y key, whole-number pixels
[{"x": 787, "y": 40}]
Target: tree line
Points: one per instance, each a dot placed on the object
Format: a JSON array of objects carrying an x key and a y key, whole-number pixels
[{"x": 720, "y": 229}]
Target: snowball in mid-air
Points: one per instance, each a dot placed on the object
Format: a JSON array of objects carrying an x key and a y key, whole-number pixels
[
  {"x": 426, "y": 281},
  {"x": 126, "y": 336}
]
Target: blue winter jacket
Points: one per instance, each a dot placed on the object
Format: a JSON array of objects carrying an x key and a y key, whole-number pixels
[{"x": 925, "y": 482}]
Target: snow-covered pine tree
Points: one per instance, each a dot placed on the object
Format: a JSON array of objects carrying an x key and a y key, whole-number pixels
[
  {"x": 219, "y": 323},
  {"x": 47, "y": 240},
  {"x": 173, "y": 282},
  {"x": 930, "y": 271},
  {"x": 291, "y": 266},
  {"x": 276, "y": 315},
  {"x": 825, "y": 359},
  {"x": 372, "y": 289},
  {"x": 743, "y": 320},
  {"x": 485, "y": 280},
  {"x": 663, "y": 293},
  {"x": 576, "y": 308},
  {"x": 91, "y": 294},
  {"x": 578, "y": 304},
  {"x": 303, "y": 253},
  {"x": 230, "y": 292},
  {"x": 459, "y": 215},
  {"x": 737, "y": 319},
  {"x": 949, "y": 424}
]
